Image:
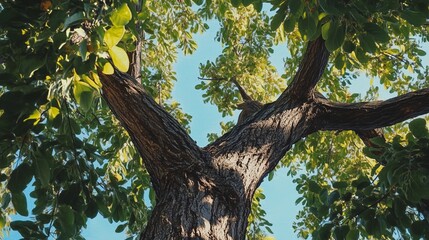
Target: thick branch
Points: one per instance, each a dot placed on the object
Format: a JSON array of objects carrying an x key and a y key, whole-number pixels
[
  {"x": 163, "y": 144},
  {"x": 310, "y": 71},
  {"x": 371, "y": 115}
]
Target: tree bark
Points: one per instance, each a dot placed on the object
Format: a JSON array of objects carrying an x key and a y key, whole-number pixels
[{"x": 206, "y": 193}]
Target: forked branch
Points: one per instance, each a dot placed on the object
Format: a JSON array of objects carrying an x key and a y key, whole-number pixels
[
  {"x": 371, "y": 115},
  {"x": 309, "y": 72},
  {"x": 161, "y": 141}
]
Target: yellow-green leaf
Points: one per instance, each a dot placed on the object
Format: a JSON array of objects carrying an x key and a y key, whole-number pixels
[
  {"x": 91, "y": 82},
  {"x": 34, "y": 116},
  {"x": 96, "y": 79},
  {"x": 108, "y": 69},
  {"x": 114, "y": 35},
  {"x": 53, "y": 113},
  {"x": 83, "y": 94},
  {"x": 119, "y": 58},
  {"x": 121, "y": 16}
]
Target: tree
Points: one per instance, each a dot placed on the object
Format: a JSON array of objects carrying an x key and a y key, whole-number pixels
[{"x": 69, "y": 66}]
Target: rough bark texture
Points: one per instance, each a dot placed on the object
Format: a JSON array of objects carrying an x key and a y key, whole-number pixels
[{"x": 205, "y": 193}]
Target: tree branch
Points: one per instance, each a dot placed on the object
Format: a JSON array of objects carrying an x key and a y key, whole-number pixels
[
  {"x": 371, "y": 115},
  {"x": 309, "y": 72},
  {"x": 161, "y": 141}
]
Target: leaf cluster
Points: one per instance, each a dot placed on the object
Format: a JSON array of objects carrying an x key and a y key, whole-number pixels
[{"x": 389, "y": 200}]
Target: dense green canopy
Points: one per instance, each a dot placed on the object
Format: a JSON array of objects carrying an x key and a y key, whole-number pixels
[{"x": 59, "y": 140}]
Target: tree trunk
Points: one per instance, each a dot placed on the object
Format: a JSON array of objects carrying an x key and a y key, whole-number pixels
[
  {"x": 206, "y": 193},
  {"x": 193, "y": 207}
]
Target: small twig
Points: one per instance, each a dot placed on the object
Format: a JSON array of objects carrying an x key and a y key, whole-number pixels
[
  {"x": 212, "y": 79},
  {"x": 370, "y": 206},
  {"x": 73, "y": 141}
]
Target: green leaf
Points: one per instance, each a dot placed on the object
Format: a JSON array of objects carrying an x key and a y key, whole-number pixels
[
  {"x": 334, "y": 35},
  {"x": 247, "y": 2},
  {"x": 77, "y": 17},
  {"x": 43, "y": 171},
  {"x": 121, "y": 228},
  {"x": 84, "y": 94},
  {"x": 121, "y": 16},
  {"x": 26, "y": 229},
  {"x": 19, "y": 202},
  {"x": 277, "y": 20},
  {"x": 420, "y": 52},
  {"x": 289, "y": 24},
  {"x": 418, "y": 128},
  {"x": 235, "y": 3},
  {"x": 353, "y": 235},
  {"x": 257, "y": 5},
  {"x": 198, "y": 2},
  {"x": 418, "y": 228},
  {"x": 31, "y": 63},
  {"x": 66, "y": 218},
  {"x": 361, "y": 55},
  {"x": 379, "y": 141},
  {"x": 325, "y": 29},
  {"x": 333, "y": 196},
  {"x": 6, "y": 197},
  {"x": 329, "y": 7},
  {"x": 341, "y": 232},
  {"x": 119, "y": 58},
  {"x": 414, "y": 17},
  {"x": 308, "y": 25},
  {"x": 19, "y": 178},
  {"x": 367, "y": 43},
  {"x": 372, "y": 226},
  {"x": 295, "y": 6},
  {"x": 314, "y": 187},
  {"x": 348, "y": 46},
  {"x": 91, "y": 209},
  {"x": 83, "y": 49},
  {"x": 339, "y": 185},
  {"x": 114, "y": 35},
  {"x": 325, "y": 231},
  {"x": 379, "y": 34}
]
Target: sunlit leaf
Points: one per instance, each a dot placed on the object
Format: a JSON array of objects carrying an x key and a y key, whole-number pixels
[
  {"x": 119, "y": 58},
  {"x": 34, "y": 116},
  {"x": 114, "y": 35},
  {"x": 121, "y": 16},
  {"x": 108, "y": 69},
  {"x": 83, "y": 94}
]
